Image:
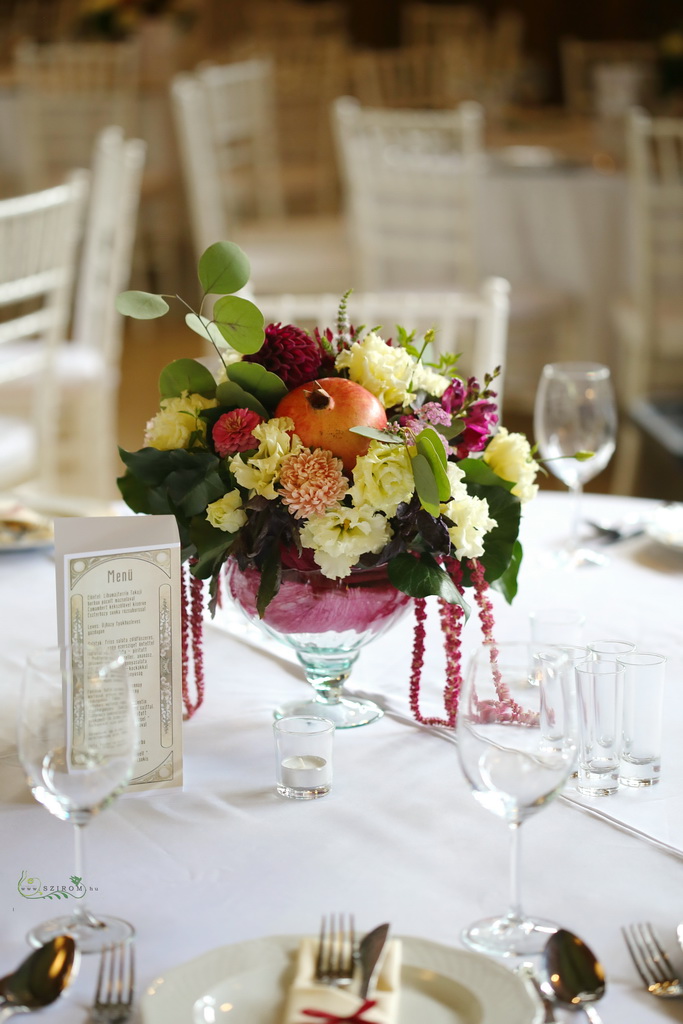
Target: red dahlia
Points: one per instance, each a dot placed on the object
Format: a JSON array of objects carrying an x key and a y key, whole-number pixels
[{"x": 290, "y": 353}]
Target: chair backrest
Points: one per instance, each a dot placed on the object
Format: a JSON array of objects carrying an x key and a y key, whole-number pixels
[
  {"x": 434, "y": 23},
  {"x": 39, "y": 235},
  {"x": 409, "y": 181},
  {"x": 655, "y": 153},
  {"x": 473, "y": 323},
  {"x": 280, "y": 19},
  {"x": 581, "y": 58},
  {"x": 69, "y": 92},
  {"x": 406, "y": 77},
  {"x": 107, "y": 251},
  {"x": 226, "y": 126}
]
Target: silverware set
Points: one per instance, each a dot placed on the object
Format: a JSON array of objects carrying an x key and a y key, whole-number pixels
[
  {"x": 115, "y": 985},
  {"x": 652, "y": 962},
  {"x": 341, "y": 960}
]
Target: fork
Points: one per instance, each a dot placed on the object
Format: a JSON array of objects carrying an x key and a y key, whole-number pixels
[
  {"x": 336, "y": 948},
  {"x": 651, "y": 961},
  {"x": 115, "y": 984}
]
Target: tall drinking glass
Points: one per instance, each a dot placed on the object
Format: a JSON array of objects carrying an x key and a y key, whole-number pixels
[
  {"x": 575, "y": 411},
  {"x": 77, "y": 737},
  {"x": 517, "y": 746}
]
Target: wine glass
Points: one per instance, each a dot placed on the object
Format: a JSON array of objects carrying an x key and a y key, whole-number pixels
[
  {"x": 574, "y": 412},
  {"x": 517, "y": 744},
  {"x": 77, "y": 738}
]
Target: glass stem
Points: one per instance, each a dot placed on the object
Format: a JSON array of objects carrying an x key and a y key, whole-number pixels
[
  {"x": 515, "y": 910},
  {"x": 81, "y": 913},
  {"x": 577, "y": 493}
]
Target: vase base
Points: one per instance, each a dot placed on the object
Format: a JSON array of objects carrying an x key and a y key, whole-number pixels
[{"x": 346, "y": 713}]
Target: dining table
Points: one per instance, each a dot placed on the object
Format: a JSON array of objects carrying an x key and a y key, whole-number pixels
[{"x": 225, "y": 860}]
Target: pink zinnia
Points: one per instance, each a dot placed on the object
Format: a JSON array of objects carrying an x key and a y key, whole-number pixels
[
  {"x": 232, "y": 432},
  {"x": 311, "y": 482}
]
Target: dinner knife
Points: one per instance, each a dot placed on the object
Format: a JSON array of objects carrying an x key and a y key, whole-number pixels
[{"x": 369, "y": 950}]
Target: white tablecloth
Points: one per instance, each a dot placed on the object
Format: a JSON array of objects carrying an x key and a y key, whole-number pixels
[{"x": 399, "y": 838}]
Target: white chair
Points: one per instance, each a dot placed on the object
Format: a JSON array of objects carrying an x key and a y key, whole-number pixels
[
  {"x": 410, "y": 179},
  {"x": 581, "y": 58},
  {"x": 39, "y": 235},
  {"x": 472, "y": 323},
  {"x": 649, "y": 324},
  {"x": 293, "y": 20},
  {"x": 432, "y": 24},
  {"x": 224, "y": 179},
  {"x": 86, "y": 363}
]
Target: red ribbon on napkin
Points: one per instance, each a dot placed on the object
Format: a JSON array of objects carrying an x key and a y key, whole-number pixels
[{"x": 355, "y": 1018}]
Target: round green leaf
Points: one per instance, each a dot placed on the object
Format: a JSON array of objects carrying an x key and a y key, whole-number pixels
[
  {"x": 141, "y": 305},
  {"x": 241, "y": 323},
  {"x": 206, "y": 329},
  {"x": 426, "y": 485},
  {"x": 186, "y": 375},
  {"x": 232, "y": 396},
  {"x": 254, "y": 378},
  {"x": 223, "y": 268}
]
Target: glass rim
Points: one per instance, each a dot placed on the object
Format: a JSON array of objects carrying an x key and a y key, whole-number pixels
[
  {"x": 591, "y": 666},
  {"x": 634, "y": 658},
  {"x": 611, "y": 646},
  {"x": 596, "y": 371},
  {"x": 325, "y": 723}
]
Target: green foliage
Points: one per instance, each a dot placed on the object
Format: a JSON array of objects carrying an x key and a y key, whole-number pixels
[
  {"x": 425, "y": 484},
  {"x": 423, "y": 577},
  {"x": 211, "y": 545},
  {"x": 266, "y": 386},
  {"x": 223, "y": 268},
  {"x": 271, "y": 574},
  {"x": 186, "y": 375},
  {"x": 141, "y": 305},
  {"x": 378, "y": 435},
  {"x": 240, "y": 323},
  {"x": 430, "y": 445},
  {"x": 231, "y": 396}
]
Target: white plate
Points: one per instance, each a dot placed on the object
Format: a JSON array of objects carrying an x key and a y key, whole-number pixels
[
  {"x": 666, "y": 526},
  {"x": 246, "y": 984}
]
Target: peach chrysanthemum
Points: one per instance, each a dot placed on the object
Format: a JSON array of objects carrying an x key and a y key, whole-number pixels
[{"x": 311, "y": 482}]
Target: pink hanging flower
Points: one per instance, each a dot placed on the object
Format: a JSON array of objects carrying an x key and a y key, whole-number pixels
[
  {"x": 311, "y": 482},
  {"x": 232, "y": 432}
]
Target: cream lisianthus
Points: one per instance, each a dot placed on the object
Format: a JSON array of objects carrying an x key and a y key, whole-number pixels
[
  {"x": 340, "y": 536},
  {"x": 509, "y": 456},
  {"x": 227, "y": 514},
  {"x": 383, "y": 478},
  {"x": 382, "y": 369},
  {"x": 426, "y": 379},
  {"x": 261, "y": 471},
  {"x": 469, "y": 515},
  {"x": 177, "y": 420}
]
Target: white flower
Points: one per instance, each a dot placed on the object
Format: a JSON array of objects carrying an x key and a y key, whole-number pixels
[
  {"x": 426, "y": 379},
  {"x": 382, "y": 369},
  {"x": 226, "y": 514},
  {"x": 469, "y": 515},
  {"x": 261, "y": 472},
  {"x": 340, "y": 536},
  {"x": 509, "y": 456},
  {"x": 383, "y": 478}
]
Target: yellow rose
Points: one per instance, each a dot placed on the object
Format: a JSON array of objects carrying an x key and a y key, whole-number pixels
[
  {"x": 383, "y": 478},
  {"x": 176, "y": 422},
  {"x": 509, "y": 456},
  {"x": 227, "y": 514}
]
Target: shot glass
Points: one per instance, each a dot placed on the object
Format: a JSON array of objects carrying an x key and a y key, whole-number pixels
[
  {"x": 641, "y": 758},
  {"x": 600, "y": 686},
  {"x": 563, "y": 626},
  {"x": 303, "y": 757},
  {"x": 609, "y": 650}
]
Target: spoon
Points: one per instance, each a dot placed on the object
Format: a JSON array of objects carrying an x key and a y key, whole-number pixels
[
  {"x": 40, "y": 979},
  {"x": 576, "y": 977}
]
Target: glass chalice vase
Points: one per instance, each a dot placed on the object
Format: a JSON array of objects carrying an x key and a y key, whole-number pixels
[{"x": 326, "y": 622}]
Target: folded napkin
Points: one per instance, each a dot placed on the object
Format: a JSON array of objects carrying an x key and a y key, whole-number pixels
[
  {"x": 21, "y": 525},
  {"x": 309, "y": 1002}
]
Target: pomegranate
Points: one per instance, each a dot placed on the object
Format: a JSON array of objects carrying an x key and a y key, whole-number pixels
[{"x": 324, "y": 410}]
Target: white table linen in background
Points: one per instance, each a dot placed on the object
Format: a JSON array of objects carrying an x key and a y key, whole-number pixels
[{"x": 399, "y": 838}]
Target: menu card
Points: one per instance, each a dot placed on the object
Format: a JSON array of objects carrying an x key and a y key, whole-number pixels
[{"x": 119, "y": 588}]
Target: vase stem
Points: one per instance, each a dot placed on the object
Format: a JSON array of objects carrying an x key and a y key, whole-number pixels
[{"x": 327, "y": 674}]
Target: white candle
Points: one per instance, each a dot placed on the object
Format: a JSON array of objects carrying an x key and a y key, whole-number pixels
[{"x": 305, "y": 772}]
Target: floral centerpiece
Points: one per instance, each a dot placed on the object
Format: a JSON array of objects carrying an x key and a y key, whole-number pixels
[{"x": 335, "y": 453}]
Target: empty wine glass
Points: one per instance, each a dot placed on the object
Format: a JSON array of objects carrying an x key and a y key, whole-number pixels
[
  {"x": 77, "y": 737},
  {"x": 575, "y": 412},
  {"x": 517, "y": 746}
]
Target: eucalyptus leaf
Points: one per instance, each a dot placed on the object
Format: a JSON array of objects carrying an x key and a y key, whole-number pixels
[
  {"x": 478, "y": 471},
  {"x": 223, "y": 268},
  {"x": 423, "y": 577},
  {"x": 141, "y": 305},
  {"x": 456, "y": 428},
  {"x": 206, "y": 329},
  {"x": 186, "y": 375},
  {"x": 254, "y": 378},
  {"x": 427, "y": 447},
  {"x": 377, "y": 435},
  {"x": 425, "y": 484},
  {"x": 231, "y": 396},
  {"x": 241, "y": 323}
]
